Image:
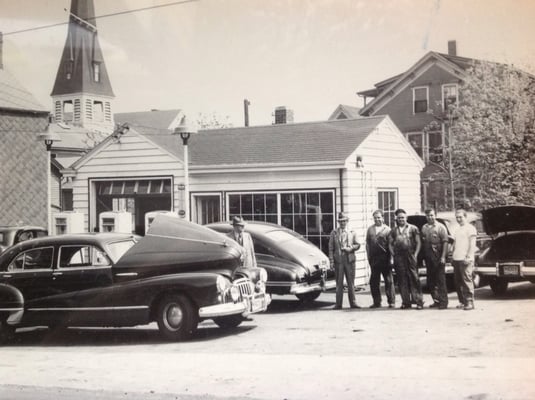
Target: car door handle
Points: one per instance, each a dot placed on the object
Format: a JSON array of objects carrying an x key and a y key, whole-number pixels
[
  {"x": 7, "y": 276},
  {"x": 57, "y": 273}
]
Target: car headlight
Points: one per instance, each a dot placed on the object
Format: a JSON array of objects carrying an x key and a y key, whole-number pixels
[
  {"x": 263, "y": 275},
  {"x": 234, "y": 293},
  {"x": 222, "y": 283},
  {"x": 260, "y": 287}
]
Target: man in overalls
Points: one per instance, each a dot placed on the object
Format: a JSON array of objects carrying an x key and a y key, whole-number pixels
[{"x": 404, "y": 243}]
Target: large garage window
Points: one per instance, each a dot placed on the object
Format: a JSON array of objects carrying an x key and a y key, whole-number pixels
[{"x": 308, "y": 213}]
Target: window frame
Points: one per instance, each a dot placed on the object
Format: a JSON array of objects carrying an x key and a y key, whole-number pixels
[
  {"x": 414, "y": 89},
  {"x": 444, "y": 86},
  {"x": 92, "y": 252},
  {"x": 390, "y": 221}
]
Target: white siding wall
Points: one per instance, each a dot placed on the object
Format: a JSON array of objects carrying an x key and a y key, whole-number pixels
[
  {"x": 132, "y": 157},
  {"x": 388, "y": 164}
]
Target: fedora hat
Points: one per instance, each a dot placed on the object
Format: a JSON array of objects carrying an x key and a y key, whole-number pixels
[
  {"x": 237, "y": 221},
  {"x": 342, "y": 216}
]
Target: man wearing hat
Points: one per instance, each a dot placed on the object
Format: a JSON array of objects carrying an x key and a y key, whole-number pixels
[
  {"x": 244, "y": 239},
  {"x": 343, "y": 244}
]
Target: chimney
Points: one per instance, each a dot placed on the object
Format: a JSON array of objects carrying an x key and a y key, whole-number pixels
[
  {"x": 283, "y": 115},
  {"x": 1, "y": 49},
  {"x": 452, "y": 47},
  {"x": 246, "y": 104}
]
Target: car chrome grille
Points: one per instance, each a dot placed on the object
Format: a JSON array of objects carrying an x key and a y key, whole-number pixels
[{"x": 245, "y": 286}]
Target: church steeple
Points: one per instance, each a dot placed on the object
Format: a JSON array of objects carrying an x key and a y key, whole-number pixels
[{"x": 82, "y": 93}]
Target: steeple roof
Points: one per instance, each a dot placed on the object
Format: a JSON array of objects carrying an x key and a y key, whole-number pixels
[{"x": 82, "y": 52}]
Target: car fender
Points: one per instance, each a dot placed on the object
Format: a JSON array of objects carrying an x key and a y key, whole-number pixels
[
  {"x": 200, "y": 287},
  {"x": 11, "y": 304}
]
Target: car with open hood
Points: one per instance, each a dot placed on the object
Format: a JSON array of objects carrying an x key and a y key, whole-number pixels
[
  {"x": 510, "y": 256},
  {"x": 10, "y": 235},
  {"x": 294, "y": 265},
  {"x": 179, "y": 274}
]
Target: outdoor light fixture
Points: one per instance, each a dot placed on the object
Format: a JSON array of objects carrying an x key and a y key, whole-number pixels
[
  {"x": 359, "y": 163},
  {"x": 185, "y": 131},
  {"x": 48, "y": 137}
]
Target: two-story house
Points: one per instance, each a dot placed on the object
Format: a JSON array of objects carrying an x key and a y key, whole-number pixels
[{"x": 417, "y": 100}]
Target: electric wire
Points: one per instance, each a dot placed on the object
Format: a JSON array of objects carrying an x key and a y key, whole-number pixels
[{"x": 175, "y": 3}]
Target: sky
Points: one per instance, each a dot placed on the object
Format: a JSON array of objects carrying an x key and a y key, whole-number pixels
[{"x": 207, "y": 56}]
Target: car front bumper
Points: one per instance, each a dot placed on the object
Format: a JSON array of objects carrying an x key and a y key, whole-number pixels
[
  {"x": 301, "y": 288},
  {"x": 249, "y": 305}
]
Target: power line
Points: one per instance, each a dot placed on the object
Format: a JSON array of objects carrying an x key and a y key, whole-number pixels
[{"x": 103, "y": 16}]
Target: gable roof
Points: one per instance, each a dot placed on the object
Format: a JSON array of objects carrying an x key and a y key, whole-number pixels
[
  {"x": 309, "y": 143},
  {"x": 349, "y": 112},
  {"x": 13, "y": 96},
  {"x": 456, "y": 65},
  {"x": 156, "y": 119},
  {"x": 300, "y": 143}
]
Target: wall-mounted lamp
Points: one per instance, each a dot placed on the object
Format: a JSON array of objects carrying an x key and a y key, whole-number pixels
[{"x": 359, "y": 163}]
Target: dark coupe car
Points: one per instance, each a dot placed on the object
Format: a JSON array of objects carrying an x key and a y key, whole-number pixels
[
  {"x": 10, "y": 235},
  {"x": 510, "y": 257},
  {"x": 293, "y": 264},
  {"x": 177, "y": 275}
]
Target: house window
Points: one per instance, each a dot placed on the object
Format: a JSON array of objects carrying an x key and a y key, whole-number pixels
[
  {"x": 309, "y": 213},
  {"x": 68, "y": 111},
  {"x": 420, "y": 97},
  {"x": 416, "y": 140},
  {"x": 449, "y": 96},
  {"x": 98, "y": 111},
  {"x": 387, "y": 201},
  {"x": 96, "y": 71}
]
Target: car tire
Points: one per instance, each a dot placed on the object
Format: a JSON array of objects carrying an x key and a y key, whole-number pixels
[
  {"x": 229, "y": 322},
  {"x": 176, "y": 317},
  {"x": 498, "y": 286},
  {"x": 7, "y": 332},
  {"x": 308, "y": 297}
]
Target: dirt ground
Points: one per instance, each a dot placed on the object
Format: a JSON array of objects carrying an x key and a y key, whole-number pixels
[{"x": 293, "y": 351}]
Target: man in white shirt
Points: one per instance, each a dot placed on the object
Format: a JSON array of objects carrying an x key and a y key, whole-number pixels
[{"x": 464, "y": 249}]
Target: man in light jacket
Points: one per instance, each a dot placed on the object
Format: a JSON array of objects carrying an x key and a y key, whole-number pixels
[
  {"x": 245, "y": 240},
  {"x": 343, "y": 244}
]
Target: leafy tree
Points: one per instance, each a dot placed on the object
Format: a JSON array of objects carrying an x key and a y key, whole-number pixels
[
  {"x": 213, "y": 121},
  {"x": 493, "y": 135}
]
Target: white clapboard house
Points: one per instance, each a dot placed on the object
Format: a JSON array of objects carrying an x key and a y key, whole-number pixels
[{"x": 298, "y": 175}]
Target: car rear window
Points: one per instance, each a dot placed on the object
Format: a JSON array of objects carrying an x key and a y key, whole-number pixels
[{"x": 118, "y": 249}]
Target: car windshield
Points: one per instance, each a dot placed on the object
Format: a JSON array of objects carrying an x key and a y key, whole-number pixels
[
  {"x": 117, "y": 249},
  {"x": 2, "y": 239}
]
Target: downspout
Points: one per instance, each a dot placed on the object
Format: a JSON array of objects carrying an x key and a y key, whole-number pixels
[{"x": 340, "y": 175}]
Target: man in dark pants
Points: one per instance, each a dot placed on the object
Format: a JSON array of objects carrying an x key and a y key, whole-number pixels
[
  {"x": 379, "y": 259},
  {"x": 404, "y": 244},
  {"x": 342, "y": 246},
  {"x": 435, "y": 244}
]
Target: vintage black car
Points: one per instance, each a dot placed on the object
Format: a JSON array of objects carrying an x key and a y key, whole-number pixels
[
  {"x": 177, "y": 275},
  {"x": 510, "y": 257},
  {"x": 293, "y": 264},
  {"x": 10, "y": 235},
  {"x": 419, "y": 220}
]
